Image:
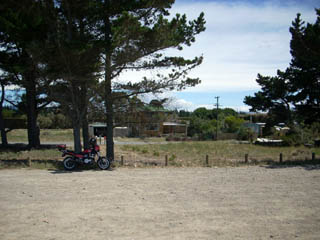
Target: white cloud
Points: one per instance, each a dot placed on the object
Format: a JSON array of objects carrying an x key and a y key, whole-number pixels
[{"x": 240, "y": 41}]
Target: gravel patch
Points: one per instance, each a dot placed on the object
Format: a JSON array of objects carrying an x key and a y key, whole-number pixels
[{"x": 161, "y": 203}]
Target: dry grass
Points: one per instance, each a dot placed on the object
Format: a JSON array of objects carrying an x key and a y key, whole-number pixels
[
  {"x": 185, "y": 154},
  {"x": 221, "y": 153},
  {"x": 46, "y": 135},
  {"x": 45, "y": 154}
]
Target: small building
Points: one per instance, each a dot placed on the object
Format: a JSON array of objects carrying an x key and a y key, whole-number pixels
[
  {"x": 173, "y": 128},
  {"x": 100, "y": 130},
  {"x": 257, "y": 128},
  {"x": 97, "y": 129},
  {"x": 139, "y": 130}
]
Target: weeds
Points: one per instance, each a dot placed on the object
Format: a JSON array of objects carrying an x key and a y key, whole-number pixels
[
  {"x": 220, "y": 153},
  {"x": 185, "y": 154}
]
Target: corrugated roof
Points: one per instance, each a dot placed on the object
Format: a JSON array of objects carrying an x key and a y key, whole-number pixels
[{"x": 173, "y": 124}]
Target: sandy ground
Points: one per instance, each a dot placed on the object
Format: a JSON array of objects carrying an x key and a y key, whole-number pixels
[{"x": 161, "y": 203}]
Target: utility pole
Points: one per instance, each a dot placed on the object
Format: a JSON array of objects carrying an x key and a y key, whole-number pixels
[{"x": 217, "y": 104}]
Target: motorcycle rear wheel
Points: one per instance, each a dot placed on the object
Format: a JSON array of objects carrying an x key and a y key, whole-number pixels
[
  {"x": 103, "y": 163},
  {"x": 69, "y": 164}
]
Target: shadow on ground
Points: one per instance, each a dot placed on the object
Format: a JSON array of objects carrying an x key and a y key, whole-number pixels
[
  {"x": 79, "y": 169},
  {"x": 22, "y": 147},
  {"x": 306, "y": 164}
]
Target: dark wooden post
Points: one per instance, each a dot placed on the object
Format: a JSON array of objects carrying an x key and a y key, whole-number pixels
[
  {"x": 246, "y": 158},
  {"x": 207, "y": 161},
  {"x": 121, "y": 161},
  {"x": 166, "y": 161},
  {"x": 280, "y": 158},
  {"x": 313, "y": 156}
]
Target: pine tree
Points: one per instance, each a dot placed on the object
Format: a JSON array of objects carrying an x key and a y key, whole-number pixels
[
  {"x": 22, "y": 27},
  {"x": 73, "y": 59},
  {"x": 135, "y": 33},
  {"x": 297, "y": 89},
  {"x": 304, "y": 70}
]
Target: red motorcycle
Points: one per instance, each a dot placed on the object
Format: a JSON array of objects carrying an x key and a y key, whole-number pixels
[{"x": 87, "y": 157}]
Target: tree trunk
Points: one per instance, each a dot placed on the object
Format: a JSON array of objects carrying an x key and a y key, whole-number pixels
[
  {"x": 4, "y": 140},
  {"x": 84, "y": 115},
  {"x": 33, "y": 128},
  {"x": 108, "y": 89},
  {"x": 109, "y": 110},
  {"x": 109, "y": 106},
  {"x": 76, "y": 135},
  {"x": 85, "y": 132}
]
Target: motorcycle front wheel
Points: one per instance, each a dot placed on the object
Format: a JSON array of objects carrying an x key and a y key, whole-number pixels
[
  {"x": 69, "y": 164},
  {"x": 103, "y": 163}
]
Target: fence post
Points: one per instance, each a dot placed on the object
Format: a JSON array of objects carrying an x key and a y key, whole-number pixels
[
  {"x": 166, "y": 161},
  {"x": 246, "y": 157},
  {"x": 29, "y": 161},
  {"x": 280, "y": 158},
  {"x": 313, "y": 156},
  {"x": 207, "y": 161},
  {"x": 121, "y": 161}
]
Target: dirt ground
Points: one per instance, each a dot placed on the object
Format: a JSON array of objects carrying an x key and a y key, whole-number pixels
[{"x": 161, "y": 203}]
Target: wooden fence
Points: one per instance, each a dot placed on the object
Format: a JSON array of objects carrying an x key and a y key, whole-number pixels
[{"x": 204, "y": 161}]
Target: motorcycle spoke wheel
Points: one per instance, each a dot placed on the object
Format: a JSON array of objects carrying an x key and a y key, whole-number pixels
[
  {"x": 69, "y": 164},
  {"x": 103, "y": 163}
]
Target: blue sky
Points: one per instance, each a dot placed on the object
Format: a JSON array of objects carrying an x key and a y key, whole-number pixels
[{"x": 243, "y": 38}]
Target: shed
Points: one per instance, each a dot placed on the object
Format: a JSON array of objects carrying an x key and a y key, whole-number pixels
[
  {"x": 255, "y": 127},
  {"x": 97, "y": 129},
  {"x": 100, "y": 129},
  {"x": 174, "y": 128}
]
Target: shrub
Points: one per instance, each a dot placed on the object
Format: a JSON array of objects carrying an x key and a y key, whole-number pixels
[
  {"x": 290, "y": 140},
  {"x": 245, "y": 134},
  {"x": 144, "y": 151},
  {"x": 172, "y": 158},
  {"x": 44, "y": 121}
]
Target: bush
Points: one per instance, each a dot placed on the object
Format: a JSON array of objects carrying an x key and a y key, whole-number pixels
[
  {"x": 245, "y": 134},
  {"x": 44, "y": 122},
  {"x": 233, "y": 124},
  {"x": 290, "y": 140},
  {"x": 301, "y": 134},
  {"x": 54, "y": 121}
]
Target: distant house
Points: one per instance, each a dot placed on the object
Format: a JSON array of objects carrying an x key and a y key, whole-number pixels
[
  {"x": 100, "y": 130},
  {"x": 173, "y": 128},
  {"x": 281, "y": 129},
  {"x": 97, "y": 129},
  {"x": 143, "y": 120},
  {"x": 257, "y": 128},
  {"x": 141, "y": 128}
]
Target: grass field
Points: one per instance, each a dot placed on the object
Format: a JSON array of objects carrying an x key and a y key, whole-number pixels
[
  {"x": 46, "y": 135},
  {"x": 219, "y": 153},
  {"x": 183, "y": 154}
]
